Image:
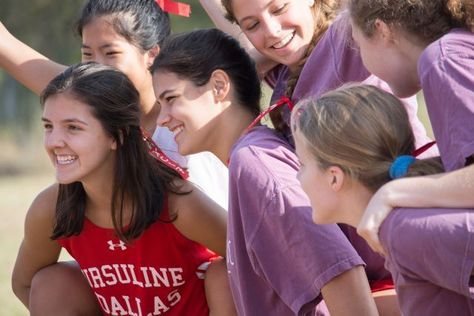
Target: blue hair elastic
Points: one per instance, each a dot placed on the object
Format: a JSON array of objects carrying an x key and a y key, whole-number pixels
[{"x": 400, "y": 165}]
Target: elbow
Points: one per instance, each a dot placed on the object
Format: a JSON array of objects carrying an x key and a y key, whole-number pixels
[{"x": 20, "y": 290}]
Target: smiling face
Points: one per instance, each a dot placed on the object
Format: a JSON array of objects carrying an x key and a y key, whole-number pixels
[
  {"x": 281, "y": 30},
  {"x": 316, "y": 183},
  {"x": 76, "y": 142},
  {"x": 384, "y": 57},
  {"x": 102, "y": 44},
  {"x": 186, "y": 110}
]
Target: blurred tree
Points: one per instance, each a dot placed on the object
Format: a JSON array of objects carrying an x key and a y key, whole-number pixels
[{"x": 48, "y": 26}]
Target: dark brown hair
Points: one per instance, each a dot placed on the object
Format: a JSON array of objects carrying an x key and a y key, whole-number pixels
[
  {"x": 427, "y": 20},
  {"x": 142, "y": 22},
  {"x": 140, "y": 178},
  {"x": 195, "y": 55}
]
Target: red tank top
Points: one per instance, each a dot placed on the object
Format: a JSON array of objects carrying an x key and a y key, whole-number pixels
[{"x": 160, "y": 273}]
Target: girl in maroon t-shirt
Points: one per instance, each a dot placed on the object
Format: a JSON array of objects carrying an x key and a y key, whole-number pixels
[
  {"x": 428, "y": 45},
  {"x": 350, "y": 142}
]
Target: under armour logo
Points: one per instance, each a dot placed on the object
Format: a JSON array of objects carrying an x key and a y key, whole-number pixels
[
  {"x": 201, "y": 270},
  {"x": 120, "y": 245}
]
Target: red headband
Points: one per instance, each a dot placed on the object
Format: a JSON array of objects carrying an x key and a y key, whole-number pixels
[{"x": 172, "y": 7}]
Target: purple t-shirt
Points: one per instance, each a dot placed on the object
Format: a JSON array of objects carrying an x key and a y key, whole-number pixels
[
  {"x": 446, "y": 70},
  {"x": 430, "y": 253},
  {"x": 334, "y": 62},
  {"x": 277, "y": 258}
]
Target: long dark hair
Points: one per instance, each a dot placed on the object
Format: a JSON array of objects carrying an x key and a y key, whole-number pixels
[
  {"x": 114, "y": 101},
  {"x": 195, "y": 55},
  {"x": 142, "y": 22}
]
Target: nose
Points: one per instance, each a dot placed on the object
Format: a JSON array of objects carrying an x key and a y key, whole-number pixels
[
  {"x": 164, "y": 116},
  {"x": 272, "y": 26},
  {"x": 53, "y": 139}
]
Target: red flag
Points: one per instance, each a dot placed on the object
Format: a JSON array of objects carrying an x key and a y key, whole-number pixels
[{"x": 173, "y": 7}]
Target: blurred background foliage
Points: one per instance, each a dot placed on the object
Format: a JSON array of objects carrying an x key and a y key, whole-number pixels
[{"x": 48, "y": 27}]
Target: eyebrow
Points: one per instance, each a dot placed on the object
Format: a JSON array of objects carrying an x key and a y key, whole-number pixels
[
  {"x": 100, "y": 47},
  {"x": 162, "y": 95},
  {"x": 71, "y": 120}
]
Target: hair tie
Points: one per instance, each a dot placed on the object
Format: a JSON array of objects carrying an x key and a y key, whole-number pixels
[
  {"x": 177, "y": 8},
  {"x": 400, "y": 166}
]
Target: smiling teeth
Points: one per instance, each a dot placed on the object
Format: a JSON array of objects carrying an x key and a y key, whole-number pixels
[
  {"x": 177, "y": 130},
  {"x": 65, "y": 159},
  {"x": 284, "y": 41}
]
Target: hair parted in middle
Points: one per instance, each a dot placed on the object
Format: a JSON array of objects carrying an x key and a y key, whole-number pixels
[{"x": 114, "y": 101}]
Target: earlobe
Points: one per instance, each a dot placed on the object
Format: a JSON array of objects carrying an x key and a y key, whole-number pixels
[
  {"x": 220, "y": 84},
  {"x": 384, "y": 30},
  {"x": 336, "y": 177},
  {"x": 151, "y": 55}
]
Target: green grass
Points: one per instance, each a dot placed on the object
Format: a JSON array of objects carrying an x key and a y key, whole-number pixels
[{"x": 16, "y": 192}]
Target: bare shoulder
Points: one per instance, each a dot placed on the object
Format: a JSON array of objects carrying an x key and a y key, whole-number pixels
[
  {"x": 192, "y": 203},
  {"x": 198, "y": 217},
  {"x": 43, "y": 207}
]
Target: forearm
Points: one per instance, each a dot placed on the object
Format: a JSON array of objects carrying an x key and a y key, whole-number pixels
[
  {"x": 349, "y": 294},
  {"x": 22, "y": 292},
  {"x": 216, "y": 13},
  {"x": 453, "y": 189},
  {"x": 26, "y": 65}
]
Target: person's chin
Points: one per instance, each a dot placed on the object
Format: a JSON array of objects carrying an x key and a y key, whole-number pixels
[{"x": 405, "y": 92}]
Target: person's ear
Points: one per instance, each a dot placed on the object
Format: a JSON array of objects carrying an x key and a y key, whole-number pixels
[
  {"x": 384, "y": 31},
  {"x": 335, "y": 177},
  {"x": 113, "y": 146},
  {"x": 151, "y": 55},
  {"x": 220, "y": 84}
]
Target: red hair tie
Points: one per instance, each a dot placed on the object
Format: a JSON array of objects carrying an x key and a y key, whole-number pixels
[
  {"x": 156, "y": 153},
  {"x": 177, "y": 8},
  {"x": 280, "y": 102},
  {"x": 422, "y": 149}
]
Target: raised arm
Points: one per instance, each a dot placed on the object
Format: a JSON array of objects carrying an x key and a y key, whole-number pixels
[
  {"x": 448, "y": 190},
  {"x": 200, "y": 219},
  {"x": 37, "y": 250},
  {"x": 26, "y": 65},
  {"x": 217, "y": 14}
]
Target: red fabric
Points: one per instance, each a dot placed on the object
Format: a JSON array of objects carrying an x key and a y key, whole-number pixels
[
  {"x": 173, "y": 7},
  {"x": 381, "y": 285},
  {"x": 158, "y": 273},
  {"x": 159, "y": 155}
]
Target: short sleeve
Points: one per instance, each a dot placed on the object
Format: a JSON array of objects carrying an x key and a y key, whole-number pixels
[
  {"x": 447, "y": 76},
  {"x": 434, "y": 245},
  {"x": 294, "y": 255}
]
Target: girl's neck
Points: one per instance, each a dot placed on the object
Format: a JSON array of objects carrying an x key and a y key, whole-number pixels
[
  {"x": 98, "y": 203},
  {"x": 355, "y": 203},
  {"x": 235, "y": 119},
  {"x": 149, "y": 111}
]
